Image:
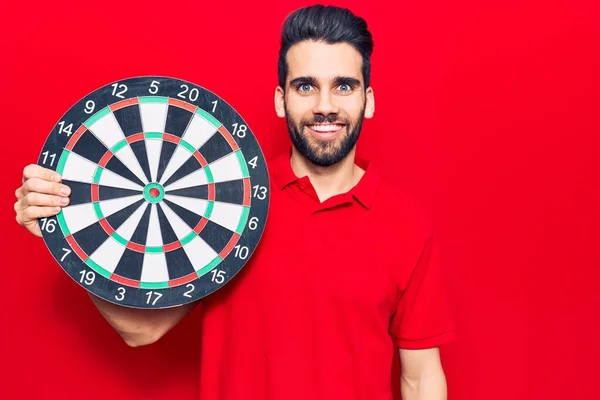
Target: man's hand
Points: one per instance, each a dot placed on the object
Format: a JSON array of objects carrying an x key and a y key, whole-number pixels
[{"x": 41, "y": 195}]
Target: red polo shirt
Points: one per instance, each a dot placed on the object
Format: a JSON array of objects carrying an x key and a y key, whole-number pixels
[{"x": 330, "y": 294}]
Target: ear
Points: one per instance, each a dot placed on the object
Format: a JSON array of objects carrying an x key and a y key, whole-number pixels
[
  {"x": 370, "y": 104},
  {"x": 279, "y": 102}
]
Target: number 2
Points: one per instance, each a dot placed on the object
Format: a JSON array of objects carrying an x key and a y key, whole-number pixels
[
  {"x": 187, "y": 294},
  {"x": 193, "y": 94},
  {"x": 117, "y": 86}
]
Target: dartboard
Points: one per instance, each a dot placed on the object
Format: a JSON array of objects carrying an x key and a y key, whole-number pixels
[{"x": 169, "y": 192}]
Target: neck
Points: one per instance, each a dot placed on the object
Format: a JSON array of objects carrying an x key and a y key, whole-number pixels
[{"x": 328, "y": 181}]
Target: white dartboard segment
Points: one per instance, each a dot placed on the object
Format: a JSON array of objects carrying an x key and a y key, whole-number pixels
[
  {"x": 154, "y": 237},
  {"x": 109, "y": 178},
  {"x": 109, "y": 207},
  {"x": 153, "y": 116},
  {"x": 199, "y": 252},
  {"x": 154, "y": 268},
  {"x": 128, "y": 227},
  {"x": 227, "y": 215},
  {"x": 197, "y": 206},
  {"x": 198, "y": 131},
  {"x": 196, "y": 178},
  {"x": 107, "y": 130},
  {"x": 226, "y": 169},
  {"x": 153, "y": 149},
  {"x": 179, "y": 157},
  {"x": 79, "y": 169},
  {"x": 128, "y": 158},
  {"x": 80, "y": 216},
  {"x": 179, "y": 226}
]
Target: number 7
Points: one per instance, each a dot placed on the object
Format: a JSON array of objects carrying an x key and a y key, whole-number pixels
[{"x": 67, "y": 252}]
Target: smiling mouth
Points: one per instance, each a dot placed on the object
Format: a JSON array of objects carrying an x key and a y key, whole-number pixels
[{"x": 326, "y": 130}]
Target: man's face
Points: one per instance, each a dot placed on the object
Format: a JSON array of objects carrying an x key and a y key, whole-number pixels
[{"x": 324, "y": 101}]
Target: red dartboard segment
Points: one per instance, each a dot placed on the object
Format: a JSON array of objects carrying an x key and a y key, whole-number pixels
[
  {"x": 106, "y": 226},
  {"x": 136, "y": 247},
  {"x": 136, "y": 137},
  {"x": 247, "y": 192},
  {"x": 105, "y": 158},
  {"x": 125, "y": 281},
  {"x": 123, "y": 103},
  {"x": 171, "y": 138},
  {"x": 234, "y": 239},
  {"x": 95, "y": 193},
  {"x": 171, "y": 246},
  {"x": 228, "y": 137},
  {"x": 182, "y": 104},
  {"x": 211, "y": 192},
  {"x": 80, "y": 131},
  {"x": 200, "y": 159},
  {"x": 76, "y": 248},
  {"x": 200, "y": 225},
  {"x": 183, "y": 280}
]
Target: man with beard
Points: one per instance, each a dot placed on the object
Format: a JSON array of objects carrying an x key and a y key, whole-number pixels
[{"x": 345, "y": 280}]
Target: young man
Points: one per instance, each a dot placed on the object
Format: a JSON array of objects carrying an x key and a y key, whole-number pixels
[{"x": 344, "y": 275}]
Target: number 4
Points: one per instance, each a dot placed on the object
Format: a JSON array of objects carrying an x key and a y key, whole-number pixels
[{"x": 253, "y": 162}]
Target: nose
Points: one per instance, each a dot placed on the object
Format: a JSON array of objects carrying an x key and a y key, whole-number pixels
[{"x": 325, "y": 104}]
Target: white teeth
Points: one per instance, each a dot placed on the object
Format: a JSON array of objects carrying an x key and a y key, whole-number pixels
[{"x": 326, "y": 128}]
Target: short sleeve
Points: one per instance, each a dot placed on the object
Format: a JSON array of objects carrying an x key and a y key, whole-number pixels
[{"x": 423, "y": 317}]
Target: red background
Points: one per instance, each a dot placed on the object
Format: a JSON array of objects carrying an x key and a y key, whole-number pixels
[{"x": 486, "y": 110}]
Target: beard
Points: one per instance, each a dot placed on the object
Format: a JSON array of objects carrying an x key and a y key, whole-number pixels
[{"x": 324, "y": 153}]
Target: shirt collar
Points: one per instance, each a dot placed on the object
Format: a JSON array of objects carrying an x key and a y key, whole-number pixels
[{"x": 364, "y": 192}]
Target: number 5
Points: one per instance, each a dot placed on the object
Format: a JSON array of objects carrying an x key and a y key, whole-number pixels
[{"x": 154, "y": 87}]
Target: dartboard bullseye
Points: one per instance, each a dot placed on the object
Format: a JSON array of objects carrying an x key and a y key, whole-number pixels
[{"x": 170, "y": 192}]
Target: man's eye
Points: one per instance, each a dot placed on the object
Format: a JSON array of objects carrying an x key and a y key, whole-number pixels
[
  {"x": 305, "y": 87},
  {"x": 345, "y": 87}
]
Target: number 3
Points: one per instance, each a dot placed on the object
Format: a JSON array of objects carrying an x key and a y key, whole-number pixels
[{"x": 121, "y": 294}]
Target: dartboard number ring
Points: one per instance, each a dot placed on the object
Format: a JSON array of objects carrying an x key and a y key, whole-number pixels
[{"x": 169, "y": 192}]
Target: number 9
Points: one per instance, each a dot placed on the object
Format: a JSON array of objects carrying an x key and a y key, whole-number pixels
[{"x": 89, "y": 107}]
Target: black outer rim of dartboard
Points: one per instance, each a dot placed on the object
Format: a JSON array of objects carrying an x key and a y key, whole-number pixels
[{"x": 206, "y": 284}]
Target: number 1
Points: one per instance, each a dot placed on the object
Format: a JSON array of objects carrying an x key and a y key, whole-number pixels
[
  {"x": 149, "y": 294},
  {"x": 46, "y": 155}
]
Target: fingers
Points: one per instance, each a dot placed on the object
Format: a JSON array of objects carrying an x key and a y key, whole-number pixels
[
  {"x": 37, "y": 171},
  {"x": 33, "y": 213},
  {"x": 39, "y": 185},
  {"x": 42, "y": 195},
  {"x": 39, "y": 199},
  {"x": 29, "y": 216}
]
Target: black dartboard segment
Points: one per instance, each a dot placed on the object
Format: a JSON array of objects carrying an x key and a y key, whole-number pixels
[{"x": 170, "y": 192}]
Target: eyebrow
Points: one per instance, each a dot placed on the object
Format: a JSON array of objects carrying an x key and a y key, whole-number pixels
[
  {"x": 339, "y": 80},
  {"x": 346, "y": 80},
  {"x": 301, "y": 80}
]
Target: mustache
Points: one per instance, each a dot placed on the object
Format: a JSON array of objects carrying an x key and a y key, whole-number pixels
[{"x": 325, "y": 119}]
